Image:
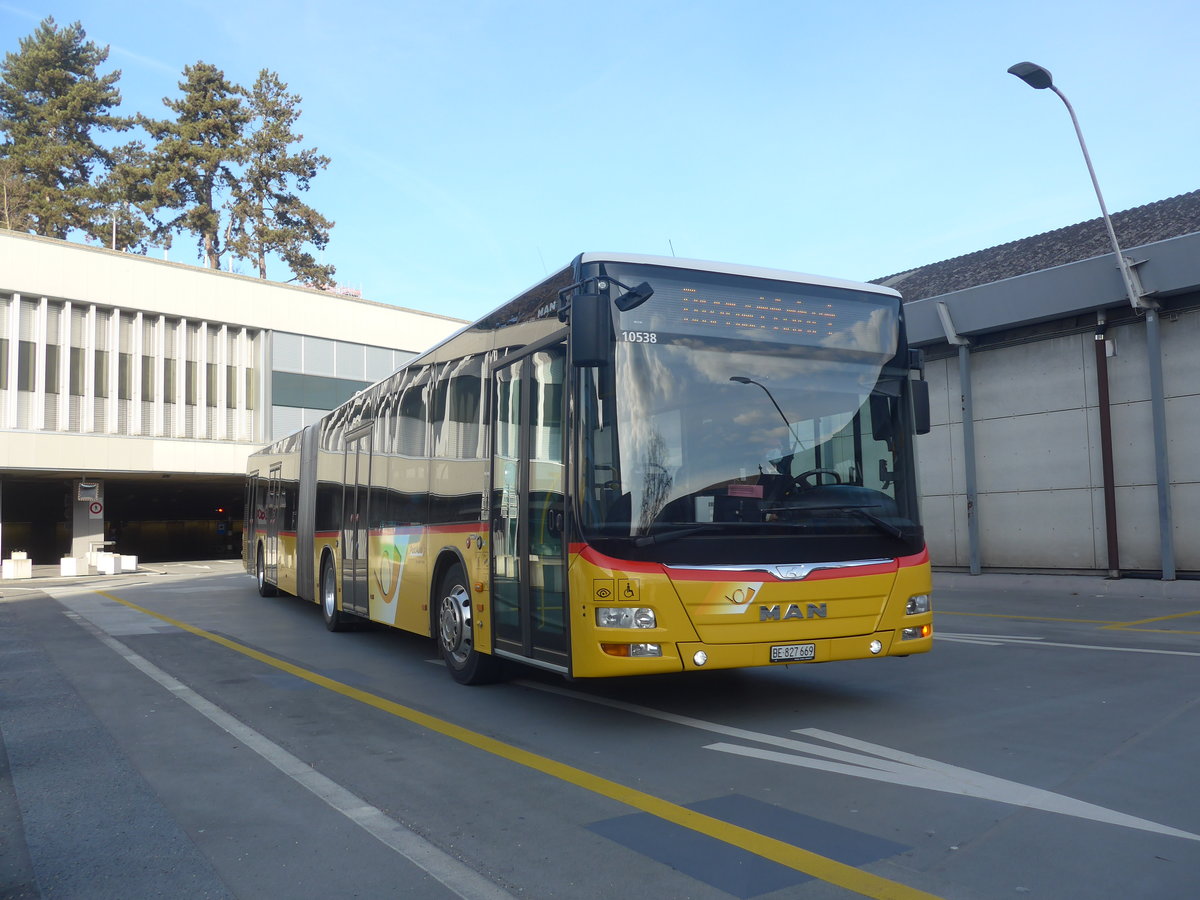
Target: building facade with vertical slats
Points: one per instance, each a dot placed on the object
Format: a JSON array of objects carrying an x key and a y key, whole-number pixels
[{"x": 156, "y": 380}]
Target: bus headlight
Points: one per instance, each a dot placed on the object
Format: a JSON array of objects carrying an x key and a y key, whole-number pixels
[
  {"x": 917, "y": 604},
  {"x": 625, "y": 617},
  {"x": 912, "y": 634},
  {"x": 632, "y": 650}
]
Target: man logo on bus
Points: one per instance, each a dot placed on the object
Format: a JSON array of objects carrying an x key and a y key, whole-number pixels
[{"x": 773, "y": 613}]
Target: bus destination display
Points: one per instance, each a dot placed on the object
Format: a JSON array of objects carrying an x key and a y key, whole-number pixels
[{"x": 854, "y": 323}]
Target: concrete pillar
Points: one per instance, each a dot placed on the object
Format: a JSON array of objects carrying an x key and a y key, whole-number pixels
[
  {"x": 136, "y": 354},
  {"x": 87, "y": 525},
  {"x": 8, "y": 416},
  {"x": 64, "y": 366}
]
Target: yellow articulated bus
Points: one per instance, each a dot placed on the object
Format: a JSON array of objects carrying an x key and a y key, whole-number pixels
[{"x": 639, "y": 465}]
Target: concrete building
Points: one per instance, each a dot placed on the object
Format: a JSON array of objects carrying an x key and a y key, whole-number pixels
[
  {"x": 132, "y": 391},
  {"x": 1063, "y": 474}
]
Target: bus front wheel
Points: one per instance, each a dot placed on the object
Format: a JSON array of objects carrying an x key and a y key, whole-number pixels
[
  {"x": 265, "y": 589},
  {"x": 454, "y": 631},
  {"x": 335, "y": 619}
]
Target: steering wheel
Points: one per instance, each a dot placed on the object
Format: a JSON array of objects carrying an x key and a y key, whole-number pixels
[{"x": 803, "y": 478}]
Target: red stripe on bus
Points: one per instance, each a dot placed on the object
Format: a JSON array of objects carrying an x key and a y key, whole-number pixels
[
  {"x": 451, "y": 529},
  {"x": 596, "y": 558},
  {"x": 683, "y": 574}
]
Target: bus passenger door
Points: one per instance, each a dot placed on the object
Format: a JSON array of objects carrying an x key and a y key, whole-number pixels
[
  {"x": 273, "y": 516},
  {"x": 528, "y": 508},
  {"x": 356, "y": 522}
]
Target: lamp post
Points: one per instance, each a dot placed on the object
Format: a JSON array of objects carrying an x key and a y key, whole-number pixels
[
  {"x": 1039, "y": 78},
  {"x": 742, "y": 379}
]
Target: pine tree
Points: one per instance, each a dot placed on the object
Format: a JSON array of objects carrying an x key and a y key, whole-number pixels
[
  {"x": 126, "y": 207},
  {"x": 52, "y": 103},
  {"x": 196, "y": 154},
  {"x": 267, "y": 215},
  {"x": 16, "y": 194}
]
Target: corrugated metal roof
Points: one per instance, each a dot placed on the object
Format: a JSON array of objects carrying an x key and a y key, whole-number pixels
[{"x": 1157, "y": 221}]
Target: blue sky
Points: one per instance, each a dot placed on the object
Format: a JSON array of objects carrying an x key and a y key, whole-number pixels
[{"x": 478, "y": 145}]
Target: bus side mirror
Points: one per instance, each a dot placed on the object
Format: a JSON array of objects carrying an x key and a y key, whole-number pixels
[
  {"x": 591, "y": 331},
  {"x": 920, "y": 399}
]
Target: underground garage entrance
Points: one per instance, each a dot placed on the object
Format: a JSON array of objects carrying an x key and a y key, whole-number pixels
[{"x": 154, "y": 517}]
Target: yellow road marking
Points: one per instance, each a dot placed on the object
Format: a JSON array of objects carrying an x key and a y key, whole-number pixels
[
  {"x": 1157, "y": 619},
  {"x": 822, "y": 867}
]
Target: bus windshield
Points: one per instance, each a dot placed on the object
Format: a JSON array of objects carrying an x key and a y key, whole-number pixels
[{"x": 745, "y": 407}]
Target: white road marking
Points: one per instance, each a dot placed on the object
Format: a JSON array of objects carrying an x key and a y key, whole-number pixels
[
  {"x": 916, "y": 771},
  {"x": 454, "y": 875},
  {"x": 992, "y": 640},
  {"x": 883, "y": 764},
  {"x": 988, "y": 637},
  {"x": 111, "y": 618}
]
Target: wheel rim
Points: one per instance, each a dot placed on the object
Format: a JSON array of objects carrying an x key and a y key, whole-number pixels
[
  {"x": 260, "y": 571},
  {"x": 328, "y": 593},
  {"x": 454, "y": 625}
]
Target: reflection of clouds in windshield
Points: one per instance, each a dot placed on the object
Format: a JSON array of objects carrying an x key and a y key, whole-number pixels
[
  {"x": 762, "y": 417},
  {"x": 876, "y": 334},
  {"x": 717, "y": 366},
  {"x": 645, "y": 380},
  {"x": 725, "y": 430}
]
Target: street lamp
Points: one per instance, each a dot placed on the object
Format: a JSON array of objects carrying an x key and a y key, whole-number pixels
[
  {"x": 1040, "y": 78},
  {"x": 742, "y": 379},
  {"x": 1037, "y": 77}
]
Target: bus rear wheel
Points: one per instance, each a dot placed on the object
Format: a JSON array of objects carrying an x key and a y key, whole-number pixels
[
  {"x": 260, "y": 575},
  {"x": 335, "y": 619},
  {"x": 454, "y": 630}
]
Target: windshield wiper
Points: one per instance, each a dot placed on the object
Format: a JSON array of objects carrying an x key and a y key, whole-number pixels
[
  {"x": 664, "y": 537},
  {"x": 883, "y": 524},
  {"x": 880, "y": 522}
]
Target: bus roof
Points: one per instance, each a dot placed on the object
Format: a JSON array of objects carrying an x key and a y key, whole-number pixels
[
  {"x": 736, "y": 269},
  {"x": 546, "y": 291}
]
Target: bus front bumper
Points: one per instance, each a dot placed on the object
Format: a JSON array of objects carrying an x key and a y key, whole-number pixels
[{"x": 697, "y": 655}]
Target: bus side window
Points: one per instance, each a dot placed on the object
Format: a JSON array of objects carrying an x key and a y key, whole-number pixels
[
  {"x": 466, "y": 408},
  {"x": 412, "y": 425}
]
